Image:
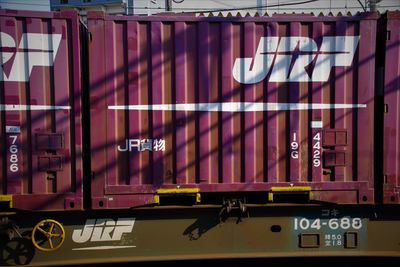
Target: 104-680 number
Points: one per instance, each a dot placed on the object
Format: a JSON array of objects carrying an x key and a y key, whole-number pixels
[{"x": 344, "y": 223}]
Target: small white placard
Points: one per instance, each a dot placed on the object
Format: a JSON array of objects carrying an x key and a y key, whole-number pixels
[
  {"x": 13, "y": 129},
  {"x": 316, "y": 124}
]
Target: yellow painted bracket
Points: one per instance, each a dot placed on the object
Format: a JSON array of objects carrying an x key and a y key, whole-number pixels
[
  {"x": 176, "y": 192},
  {"x": 7, "y": 198},
  {"x": 289, "y": 190}
]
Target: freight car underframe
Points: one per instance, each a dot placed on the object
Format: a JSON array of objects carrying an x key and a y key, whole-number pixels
[{"x": 184, "y": 233}]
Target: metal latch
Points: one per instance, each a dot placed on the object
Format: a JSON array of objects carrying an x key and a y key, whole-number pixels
[
  {"x": 234, "y": 203},
  {"x": 385, "y": 108},
  {"x": 233, "y": 206},
  {"x": 177, "y": 195}
]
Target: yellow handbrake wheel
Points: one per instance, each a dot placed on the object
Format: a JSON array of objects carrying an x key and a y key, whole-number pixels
[{"x": 48, "y": 235}]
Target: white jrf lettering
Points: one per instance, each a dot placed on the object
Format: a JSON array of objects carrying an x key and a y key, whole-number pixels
[
  {"x": 249, "y": 70},
  {"x": 103, "y": 230},
  {"x": 344, "y": 48},
  {"x": 287, "y": 59},
  {"x": 283, "y": 61},
  {"x": 34, "y": 49},
  {"x": 83, "y": 235}
]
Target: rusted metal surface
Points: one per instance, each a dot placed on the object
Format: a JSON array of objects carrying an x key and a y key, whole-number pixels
[
  {"x": 159, "y": 234},
  {"x": 40, "y": 159},
  {"x": 391, "y": 148},
  {"x": 296, "y": 110}
]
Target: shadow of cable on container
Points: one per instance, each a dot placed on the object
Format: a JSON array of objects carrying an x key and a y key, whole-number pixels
[
  {"x": 108, "y": 165},
  {"x": 173, "y": 128},
  {"x": 194, "y": 117},
  {"x": 195, "y": 230}
]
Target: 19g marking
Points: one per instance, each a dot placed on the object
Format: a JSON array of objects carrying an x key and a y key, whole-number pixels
[
  {"x": 13, "y": 154},
  {"x": 344, "y": 223}
]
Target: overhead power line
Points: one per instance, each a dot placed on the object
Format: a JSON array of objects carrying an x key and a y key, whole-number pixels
[
  {"x": 280, "y": 6},
  {"x": 240, "y": 8},
  {"x": 244, "y": 8},
  {"x": 359, "y": 1},
  {"x": 200, "y": 10}
]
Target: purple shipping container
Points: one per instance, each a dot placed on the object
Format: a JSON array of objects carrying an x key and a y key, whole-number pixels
[
  {"x": 40, "y": 89},
  {"x": 254, "y": 104},
  {"x": 391, "y": 140}
]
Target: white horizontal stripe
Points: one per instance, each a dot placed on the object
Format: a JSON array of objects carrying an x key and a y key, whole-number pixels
[
  {"x": 103, "y": 247},
  {"x": 237, "y": 106},
  {"x": 9, "y": 107}
]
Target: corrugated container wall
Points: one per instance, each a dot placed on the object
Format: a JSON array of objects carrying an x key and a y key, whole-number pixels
[
  {"x": 40, "y": 159},
  {"x": 391, "y": 140},
  {"x": 251, "y": 104}
]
